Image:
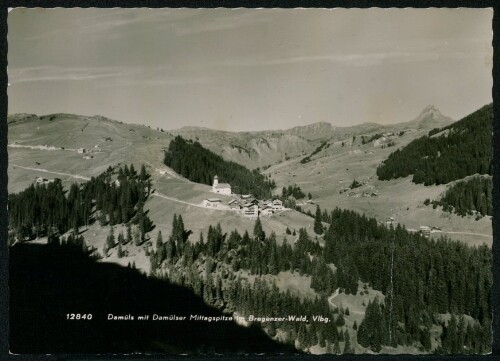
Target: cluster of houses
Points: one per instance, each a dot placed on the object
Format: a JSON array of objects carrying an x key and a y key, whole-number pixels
[
  {"x": 246, "y": 205},
  {"x": 88, "y": 152},
  {"x": 423, "y": 230}
]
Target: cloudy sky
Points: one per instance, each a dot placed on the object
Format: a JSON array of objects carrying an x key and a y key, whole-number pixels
[{"x": 249, "y": 69}]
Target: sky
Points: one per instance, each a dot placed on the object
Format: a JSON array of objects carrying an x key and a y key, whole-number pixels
[{"x": 249, "y": 69}]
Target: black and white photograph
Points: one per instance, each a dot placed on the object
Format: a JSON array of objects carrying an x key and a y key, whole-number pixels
[{"x": 250, "y": 181}]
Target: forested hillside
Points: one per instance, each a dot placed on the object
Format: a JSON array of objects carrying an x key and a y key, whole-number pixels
[
  {"x": 49, "y": 210},
  {"x": 467, "y": 197},
  {"x": 447, "y": 154},
  {"x": 200, "y": 165},
  {"x": 429, "y": 278}
]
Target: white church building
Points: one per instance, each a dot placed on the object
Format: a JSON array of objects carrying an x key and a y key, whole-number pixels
[{"x": 221, "y": 188}]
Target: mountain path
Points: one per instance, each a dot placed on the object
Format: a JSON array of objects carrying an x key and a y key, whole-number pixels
[
  {"x": 330, "y": 299},
  {"x": 470, "y": 234},
  {"x": 78, "y": 176}
]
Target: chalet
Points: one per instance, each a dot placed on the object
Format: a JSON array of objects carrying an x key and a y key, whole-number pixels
[
  {"x": 252, "y": 201},
  {"x": 268, "y": 211},
  {"x": 277, "y": 205},
  {"x": 234, "y": 204},
  {"x": 389, "y": 222},
  {"x": 237, "y": 206},
  {"x": 82, "y": 151},
  {"x": 425, "y": 231},
  {"x": 250, "y": 204},
  {"x": 212, "y": 202},
  {"x": 250, "y": 210},
  {"x": 221, "y": 188}
]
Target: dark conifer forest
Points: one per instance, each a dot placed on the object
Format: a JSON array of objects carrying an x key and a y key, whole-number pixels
[
  {"x": 468, "y": 197},
  {"x": 50, "y": 210},
  {"x": 461, "y": 149},
  {"x": 200, "y": 165},
  {"x": 430, "y": 278}
]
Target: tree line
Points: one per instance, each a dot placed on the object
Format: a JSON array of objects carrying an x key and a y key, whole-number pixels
[
  {"x": 430, "y": 277},
  {"x": 463, "y": 149},
  {"x": 468, "y": 197},
  {"x": 198, "y": 164},
  {"x": 46, "y": 209}
]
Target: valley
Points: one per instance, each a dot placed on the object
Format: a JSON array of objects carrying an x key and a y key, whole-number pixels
[{"x": 336, "y": 166}]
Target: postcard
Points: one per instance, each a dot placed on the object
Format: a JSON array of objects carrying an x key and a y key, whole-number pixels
[{"x": 250, "y": 181}]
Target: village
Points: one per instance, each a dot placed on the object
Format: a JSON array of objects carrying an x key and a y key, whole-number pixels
[{"x": 244, "y": 204}]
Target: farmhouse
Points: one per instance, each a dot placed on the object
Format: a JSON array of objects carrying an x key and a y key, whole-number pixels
[
  {"x": 221, "y": 188},
  {"x": 212, "y": 202},
  {"x": 425, "y": 231},
  {"x": 268, "y": 211},
  {"x": 277, "y": 205},
  {"x": 82, "y": 151},
  {"x": 250, "y": 210},
  {"x": 88, "y": 157},
  {"x": 234, "y": 204}
]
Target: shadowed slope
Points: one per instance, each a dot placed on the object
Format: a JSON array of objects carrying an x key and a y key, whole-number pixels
[{"x": 47, "y": 282}]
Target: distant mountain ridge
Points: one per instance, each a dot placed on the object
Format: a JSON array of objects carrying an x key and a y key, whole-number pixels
[
  {"x": 260, "y": 149},
  {"x": 263, "y": 148}
]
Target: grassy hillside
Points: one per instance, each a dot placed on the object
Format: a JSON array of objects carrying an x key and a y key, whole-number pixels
[{"x": 329, "y": 170}]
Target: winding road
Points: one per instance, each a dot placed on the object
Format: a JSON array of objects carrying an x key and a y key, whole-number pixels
[{"x": 78, "y": 176}]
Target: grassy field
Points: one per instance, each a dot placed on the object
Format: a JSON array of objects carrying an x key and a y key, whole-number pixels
[{"x": 336, "y": 167}]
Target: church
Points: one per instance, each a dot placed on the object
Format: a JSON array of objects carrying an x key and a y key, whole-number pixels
[{"x": 221, "y": 188}]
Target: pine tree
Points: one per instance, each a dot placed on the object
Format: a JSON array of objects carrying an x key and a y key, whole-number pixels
[
  {"x": 129, "y": 233},
  {"x": 110, "y": 240},
  {"x": 160, "y": 249},
  {"x": 318, "y": 226},
  {"x": 336, "y": 348},
  {"x": 121, "y": 238},
  {"x": 119, "y": 252},
  {"x": 258, "y": 232},
  {"x": 347, "y": 346}
]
